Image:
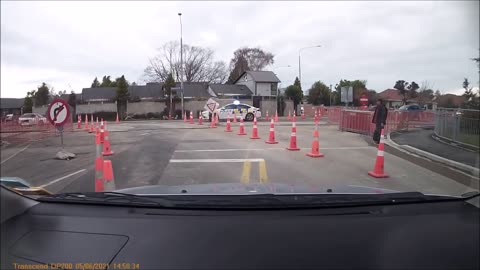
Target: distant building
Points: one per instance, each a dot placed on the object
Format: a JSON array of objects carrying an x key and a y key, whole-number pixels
[
  {"x": 392, "y": 99},
  {"x": 11, "y": 106},
  {"x": 99, "y": 94},
  {"x": 236, "y": 91},
  {"x": 261, "y": 83},
  {"x": 450, "y": 100},
  {"x": 150, "y": 91}
]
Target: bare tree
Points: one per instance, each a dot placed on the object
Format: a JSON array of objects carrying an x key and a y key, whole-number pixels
[{"x": 198, "y": 64}]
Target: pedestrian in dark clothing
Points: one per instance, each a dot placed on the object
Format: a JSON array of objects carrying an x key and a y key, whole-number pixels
[{"x": 379, "y": 119}]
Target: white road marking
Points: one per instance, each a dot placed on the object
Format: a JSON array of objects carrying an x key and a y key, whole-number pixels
[
  {"x": 21, "y": 150},
  {"x": 261, "y": 149},
  {"x": 143, "y": 134},
  {"x": 208, "y": 160},
  {"x": 61, "y": 178}
]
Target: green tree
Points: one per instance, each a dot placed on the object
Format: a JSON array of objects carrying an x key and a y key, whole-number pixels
[
  {"x": 106, "y": 81},
  {"x": 28, "y": 102},
  {"x": 122, "y": 96},
  {"x": 401, "y": 86},
  {"x": 412, "y": 90},
  {"x": 437, "y": 94},
  {"x": 318, "y": 94},
  {"x": 294, "y": 93},
  {"x": 471, "y": 99},
  {"x": 42, "y": 95},
  {"x": 240, "y": 66},
  {"x": 167, "y": 89},
  {"x": 297, "y": 83},
  {"x": 95, "y": 83},
  {"x": 372, "y": 96}
]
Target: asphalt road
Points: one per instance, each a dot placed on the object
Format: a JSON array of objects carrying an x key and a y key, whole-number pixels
[{"x": 177, "y": 153}]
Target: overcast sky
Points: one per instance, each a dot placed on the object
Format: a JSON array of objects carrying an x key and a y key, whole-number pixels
[{"x": 66, "y": 44}]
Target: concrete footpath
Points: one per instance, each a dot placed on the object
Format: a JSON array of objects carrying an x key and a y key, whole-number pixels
[{"x": 423, "y": 139}]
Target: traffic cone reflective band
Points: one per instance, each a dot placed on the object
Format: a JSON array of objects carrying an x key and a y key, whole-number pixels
[
  {"x": 255, "y": 129},
  {"x": 315, "y": 152},
  {"x": 191, "y": 117},
  {"x": 271, "y": 136},
  {"x": 98, "y": 164},
  {"x": 200, "y": 122},
  {"x": 266, "y": 116},
  {"x": 293, "y": 138},
  {"x": 241, "y": 131},
  {"x": 117, "y": 120},
  {"x": 228, "y": 128},
  {"x": 86, "y": 123},
  {"x": 107, "y": 150},
  {"x": 79, "y": 122},
  {"x": 276, "y": 116},
  {"x": 91, "y": 126},
  {"x": 234, "y": 117},
  {"x": 378, "y": 170},
  {"x": 109, "y": 182}
]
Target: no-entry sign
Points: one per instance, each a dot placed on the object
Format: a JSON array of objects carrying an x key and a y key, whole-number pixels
[{"x": 58, "y": 112}]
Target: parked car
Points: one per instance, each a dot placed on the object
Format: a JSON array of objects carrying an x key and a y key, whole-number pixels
[
  {"x": 239, "y": 110},
  {"x": 411, "y": 111},
  {"x": 9, "y": 117},
  {"x": 29, "y": 119}
]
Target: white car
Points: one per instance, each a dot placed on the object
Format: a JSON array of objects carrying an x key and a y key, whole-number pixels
[
  {"x": 28, "y": 119},
  {"x": 239, "y": 110}
]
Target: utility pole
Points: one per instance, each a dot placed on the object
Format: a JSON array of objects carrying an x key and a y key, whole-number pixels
[{"x": 181, "y": 63}]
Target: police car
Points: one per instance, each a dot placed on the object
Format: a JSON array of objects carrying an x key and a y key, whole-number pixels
[{"x": 235, "y": 109}]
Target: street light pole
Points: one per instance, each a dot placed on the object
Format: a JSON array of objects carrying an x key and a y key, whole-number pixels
[
  {"x": 299, "y": 61},
  {"x": 181, "y": 64}
]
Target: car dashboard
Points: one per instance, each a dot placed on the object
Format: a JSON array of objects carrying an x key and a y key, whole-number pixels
[{"x": 75, "y": 236}]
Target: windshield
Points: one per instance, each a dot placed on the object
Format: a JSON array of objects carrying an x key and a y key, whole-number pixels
[{"x": 255, "y": 98}]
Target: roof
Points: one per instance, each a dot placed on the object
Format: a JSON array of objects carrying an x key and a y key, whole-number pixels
[
  {"x": 457, "y": 100},
  {"x": 390, "y": 95},
  {"x": 150, "y": 90},
  {"x": 99, "y": 93},
  {"x": 231, "y": 89},
  {"x": 194, "y": 89},
  {"x": 261, "y": 76},
  {"x": 11, "y": 103},
  {"x": 67, "y": 96}
]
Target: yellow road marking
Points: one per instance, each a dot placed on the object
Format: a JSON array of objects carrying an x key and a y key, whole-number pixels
[
  {"x": 247, "y": 165},
  {"x": 262, "y": 170}
]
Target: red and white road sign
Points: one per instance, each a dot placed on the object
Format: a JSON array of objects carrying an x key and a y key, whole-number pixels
[
  {"x": 58, "y": 112},
  {"x": 363, "y": 100}
]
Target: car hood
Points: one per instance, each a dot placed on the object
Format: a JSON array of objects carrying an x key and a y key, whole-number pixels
[{"x": 243, "y": 189}]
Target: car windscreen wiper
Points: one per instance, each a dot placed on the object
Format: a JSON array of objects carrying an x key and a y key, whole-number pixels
[{"x": 107, "y": 198}]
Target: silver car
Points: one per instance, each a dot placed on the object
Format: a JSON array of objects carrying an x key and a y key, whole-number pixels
[{"x": 29, "y": 119}]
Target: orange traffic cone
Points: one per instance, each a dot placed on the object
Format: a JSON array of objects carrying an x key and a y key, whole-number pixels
[
  {"x": 117, "y": 120},
  {"x": 200, "y": 120},
  {"x": 184, "y": 117},
  {"x": 212, "y": 121},
  {"x": 107, "y": 150},
  {"x": 289, "y": 118},
  {"x": 255, "y": 129},
  {"x": 276, "y": 116},
  {"x": 109, "y": 182},
  {"x": 228, "y": 128},
  {"x": 79, "y": 122},
  {"x": 293, "y": 138},
  {"x": 234, "y": 117},
  {"x": 316, "y": 117},
  {"x": 271, "y": 136},
  {"x": 315, "y": 152},
  {"x": 266, "y": 116},
  {"x": 241, "y": 131},
  {"x": 91, "y": 126},
  {"x": 99, "y": 163},
  {"x": 86, "y": 123},
  {"x": 191, "y": 118},
  {"x": 379, "y": 163}
]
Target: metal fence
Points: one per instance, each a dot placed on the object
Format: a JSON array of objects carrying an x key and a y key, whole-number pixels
[{"x": 461, "y": 126}]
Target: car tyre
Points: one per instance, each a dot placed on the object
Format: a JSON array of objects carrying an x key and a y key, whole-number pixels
[{"x": 249, "y": 117}]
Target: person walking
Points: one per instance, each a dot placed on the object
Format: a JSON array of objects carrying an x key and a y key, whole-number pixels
[{"x": 379, "y": 119}]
